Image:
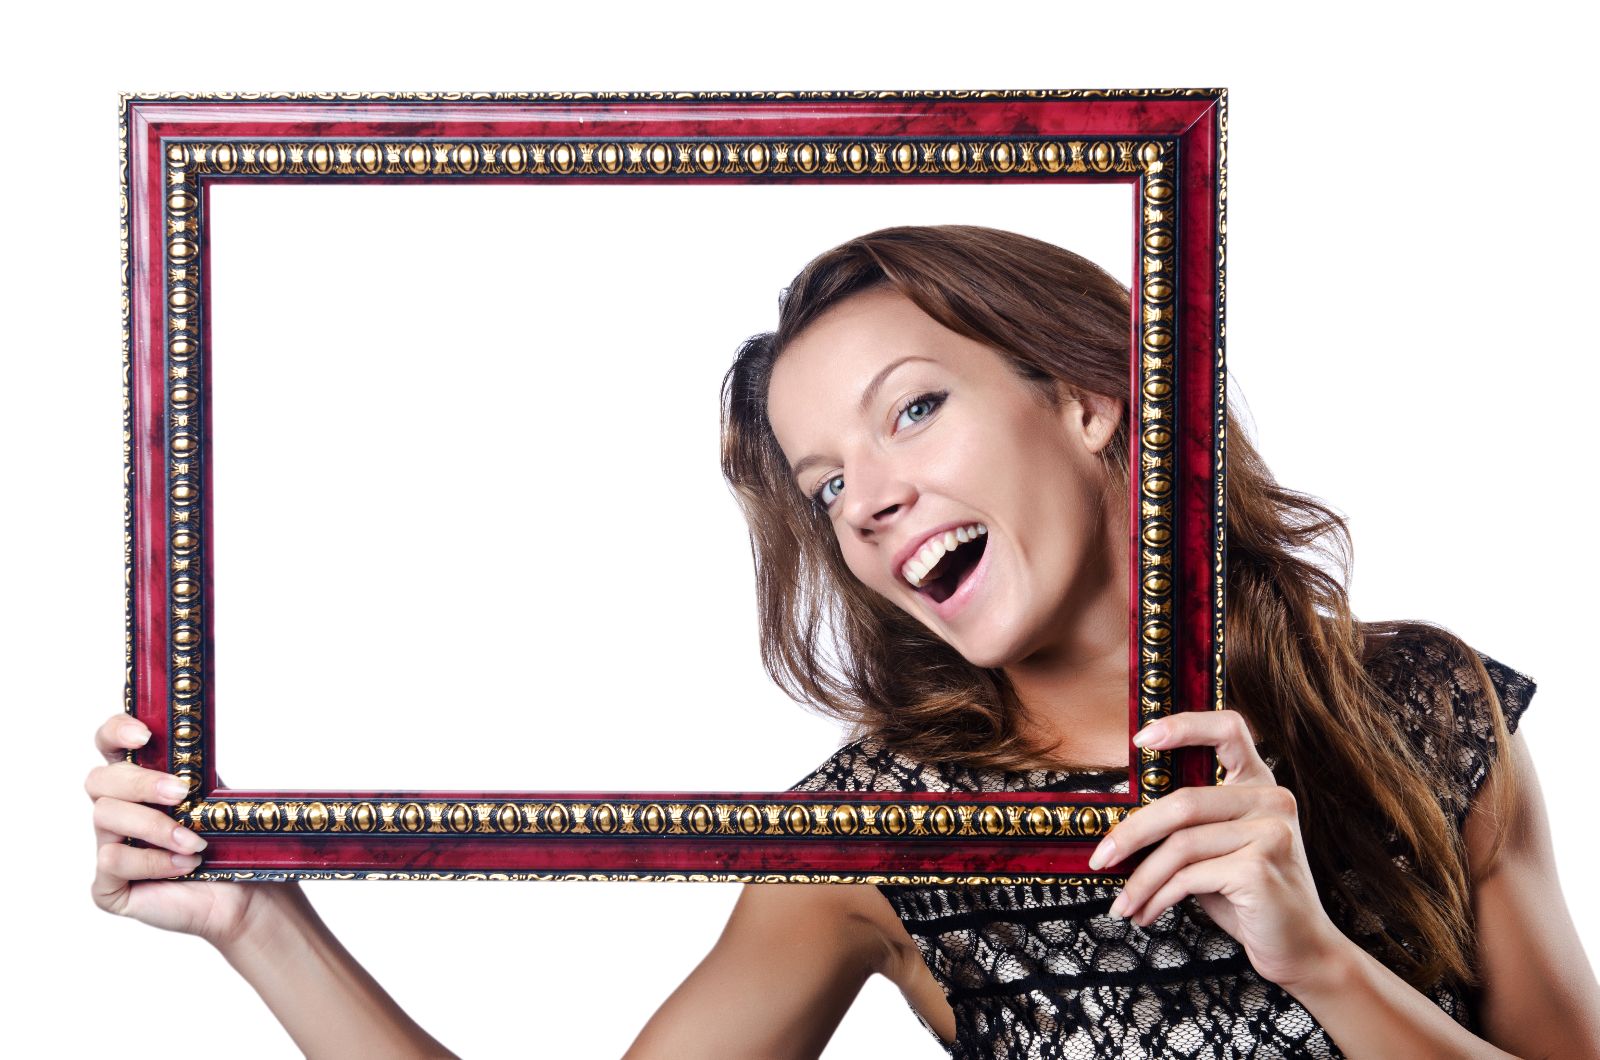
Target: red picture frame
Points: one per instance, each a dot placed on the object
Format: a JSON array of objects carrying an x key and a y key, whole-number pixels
[{"x": 1169, "y": 144}]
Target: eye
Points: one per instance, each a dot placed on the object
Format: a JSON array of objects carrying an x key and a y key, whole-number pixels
[
  {"x": 828, "y": 492},
  {"x": 918, "y": 409},
  {"x": 911, "y": 413}
]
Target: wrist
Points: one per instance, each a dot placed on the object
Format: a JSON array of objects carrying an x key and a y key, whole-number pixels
[
  {"x": 1335, "y": 965},
  {"x": 271, "y": 912}
]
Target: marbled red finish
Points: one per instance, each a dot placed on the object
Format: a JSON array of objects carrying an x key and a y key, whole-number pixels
[
  {"x": 1194, "y": 122},
  {"x": 1199, "y": 364},
  {"x": 417, "y": 854},
  {"x": 150, "y": 632},
  {"x": 716, "y": 121}
]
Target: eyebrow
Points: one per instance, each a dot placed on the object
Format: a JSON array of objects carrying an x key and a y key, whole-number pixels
[{"x": 867, "y": 395}]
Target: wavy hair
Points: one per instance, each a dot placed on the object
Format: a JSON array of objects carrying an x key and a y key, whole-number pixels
[{"x": 1301, "y": 667}]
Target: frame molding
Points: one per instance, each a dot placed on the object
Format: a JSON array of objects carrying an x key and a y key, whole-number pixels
[{"x": 176, "y": 146}]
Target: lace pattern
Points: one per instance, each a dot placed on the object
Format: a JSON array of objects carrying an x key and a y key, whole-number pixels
[{"x": 1041, "y": 972}]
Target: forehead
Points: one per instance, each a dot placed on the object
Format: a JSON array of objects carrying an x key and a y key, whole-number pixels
[{"x": 859, "y": 328}]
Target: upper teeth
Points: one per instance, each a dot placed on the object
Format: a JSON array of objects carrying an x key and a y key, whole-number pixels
[{"x": 932, "y": 550}]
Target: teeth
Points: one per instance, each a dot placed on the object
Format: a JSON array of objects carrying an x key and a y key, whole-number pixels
[{"x": 927, "y": 557}]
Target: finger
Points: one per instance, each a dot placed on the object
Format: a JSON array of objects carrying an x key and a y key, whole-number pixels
[
  {"x": 131, "y": 783},
  {"x": 1224, "y": 730},
  {"x": 1199, "y": 877},
  {"x": 117, "y": 864},
  {"x": 1190, "y": 845},
  {"x": 1184, "y": 808},
  {"x": 118, "y": 819},
  {"x": 120, "y": 733}
]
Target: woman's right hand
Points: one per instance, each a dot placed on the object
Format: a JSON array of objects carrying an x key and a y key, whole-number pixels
[
  {"x": 268, "y": 931},
  {"x": 137, "y": 881}
]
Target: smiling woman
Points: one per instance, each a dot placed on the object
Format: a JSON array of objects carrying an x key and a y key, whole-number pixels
[
  {"x": 950, "y": 437},
  {"x": 948, "y": 440},
  {"x": 930, "y": 450}
]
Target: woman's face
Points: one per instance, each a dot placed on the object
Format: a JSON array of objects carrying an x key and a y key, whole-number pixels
[{"x": 908, "y": 433}]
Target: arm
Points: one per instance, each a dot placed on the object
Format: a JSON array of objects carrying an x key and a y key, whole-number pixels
[
  {"x": 776, "y": 984},
  {"x": 268, "y": 932},
  {"x": 329, "y": 1004},
  {"x": 1539, "y": 997},
  {"x": 1236, "y": 847}
]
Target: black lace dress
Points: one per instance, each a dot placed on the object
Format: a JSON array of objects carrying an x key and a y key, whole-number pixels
[{"x": 1041, "y": 972}]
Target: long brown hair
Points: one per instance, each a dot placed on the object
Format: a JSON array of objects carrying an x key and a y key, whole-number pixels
[{"x": 1301, "y": 667}]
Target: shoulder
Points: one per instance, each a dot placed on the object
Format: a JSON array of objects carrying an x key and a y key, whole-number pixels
[
  {"x": 1436, "y": 690},
  {"x": 1435, "y": 684},
  {"x": 1429, "y": 670},
  {"x": 868, "y": 764}
]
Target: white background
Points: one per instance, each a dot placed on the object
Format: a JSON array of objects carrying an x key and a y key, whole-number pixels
[
  {"x": 510, "y": 486},
  {"x": 1410, "y": 284}
]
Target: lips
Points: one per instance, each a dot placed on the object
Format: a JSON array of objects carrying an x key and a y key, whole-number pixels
[
  {"x": 941, "y": 562},
  {"x": 968, "y": 585},
  {"x": 948, "y": 575},
  {"x": 912, "y": 547}
]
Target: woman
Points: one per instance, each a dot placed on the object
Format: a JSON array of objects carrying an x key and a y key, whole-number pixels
[{"x": 932, "y": 453}]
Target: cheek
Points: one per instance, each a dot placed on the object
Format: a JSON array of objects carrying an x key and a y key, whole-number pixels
[
  {"x": 1012, "y": 447},
  {"x": 871, "y": 574},
  {"x": 1010, "y": 471},
  {"x": 867, "y": 566}
]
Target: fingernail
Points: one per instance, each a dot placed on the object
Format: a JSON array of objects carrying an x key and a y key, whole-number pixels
[
  {"x": 173, "y": 789},
  {"x": 1103, "y": 853},
  {"x": 1148, "y": 735},
  {"x": 1117, "y": 906},
  {"x": 186, "y": 839},
  {"x": 135, "y": 735},
  {"x": 185, "y": 862}
]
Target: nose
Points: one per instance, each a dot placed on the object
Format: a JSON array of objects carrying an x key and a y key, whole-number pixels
[{"x": 876, "y": 494}]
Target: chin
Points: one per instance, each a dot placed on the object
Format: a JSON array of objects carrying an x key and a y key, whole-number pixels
[{"x": 986, "y": 656}]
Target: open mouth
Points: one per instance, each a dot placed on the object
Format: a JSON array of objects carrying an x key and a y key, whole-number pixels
[{"x": 946, "y": 576}]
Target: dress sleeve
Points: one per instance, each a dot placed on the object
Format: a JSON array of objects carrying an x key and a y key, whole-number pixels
[
  {"x": 1446, "y": 717},
  {"x": 1478, "y": 751},
  {"x": 866, "y": 765},
  {"x": 841, "y": 772}
]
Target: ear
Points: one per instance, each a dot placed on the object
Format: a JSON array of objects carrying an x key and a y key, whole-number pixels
[{"x": 1091, "y": 418}]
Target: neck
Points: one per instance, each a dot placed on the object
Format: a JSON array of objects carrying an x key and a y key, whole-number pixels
[{"x": 1074, "y": 689}]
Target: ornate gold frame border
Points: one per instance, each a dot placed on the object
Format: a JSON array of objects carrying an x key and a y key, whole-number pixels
[
  {"x": 668, "y": 157},
  {"x": 1152, "y": 160},
  {"x": 891, "y": 879},
  {"x": 647, "y": 819},
  {"x": 1219, "y": 433}
]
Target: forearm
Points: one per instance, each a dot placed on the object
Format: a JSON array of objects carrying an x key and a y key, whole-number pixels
[
  {"x": 327, "y": 1002},
  {"x": 1369, "y": 1011}
]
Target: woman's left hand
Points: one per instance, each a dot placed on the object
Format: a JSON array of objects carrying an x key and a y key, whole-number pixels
[{"x": 1235, "y": 846}]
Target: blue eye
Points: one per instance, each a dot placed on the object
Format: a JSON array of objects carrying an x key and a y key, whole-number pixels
[
  {"x": 911, "y": 413},
  {"x": 829, "y": 492},
  {"x": 918, "y": 409}
]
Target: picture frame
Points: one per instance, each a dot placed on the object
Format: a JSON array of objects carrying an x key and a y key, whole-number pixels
[{"x": 1168, "y": 146}]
